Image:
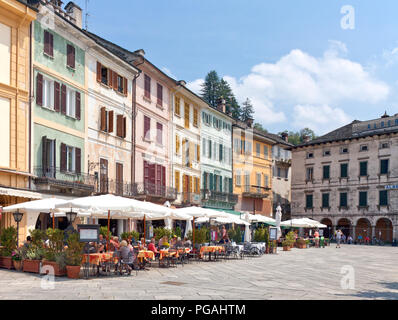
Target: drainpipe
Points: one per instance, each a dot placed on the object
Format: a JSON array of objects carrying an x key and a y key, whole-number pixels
[
  {"x": 30, "y": 105},
  {"x": 134, "y": 115}
]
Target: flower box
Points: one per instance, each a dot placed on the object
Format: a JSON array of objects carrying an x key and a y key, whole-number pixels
[
  {"x": 287, "y": 248},
  {"x": 58, "y": 272},
  {"x": 6, "y": 262},
  {"x": 31, "y": 266},
  {"x": 73, "y": 272}
]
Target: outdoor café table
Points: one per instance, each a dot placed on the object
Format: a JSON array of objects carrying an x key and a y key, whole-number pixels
[
  {"x": 210, "y": 250},
  {"x": 167, "y": 253},
  {"x": 146, "y": 254},
  {"x": 98, "y": 259}
]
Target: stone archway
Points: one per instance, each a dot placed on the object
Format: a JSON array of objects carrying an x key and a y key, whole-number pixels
[
  {"x": 327, "y": 231},
  {"x": 384, "y": 230},
  {"x": 363, "y": 229},
  {"x": 344, "y": 225}
]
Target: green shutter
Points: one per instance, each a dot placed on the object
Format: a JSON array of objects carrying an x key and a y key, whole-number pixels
[
  {"x": 211, "y": 181},
  {"x": 383, "y": 199},
  {"x": 230, "y": 185}
]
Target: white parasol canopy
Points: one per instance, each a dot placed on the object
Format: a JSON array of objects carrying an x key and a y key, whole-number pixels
[
  {"x": 199, "y": 212},
  {"x": 224, "y": 220},
  {"x": 37, "y": 206},
  {"x": 302, "y": 223},
  {"x": 260, "y": 218}
]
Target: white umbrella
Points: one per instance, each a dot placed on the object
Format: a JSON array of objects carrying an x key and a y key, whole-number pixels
[
  {"x": 198, "y": 212},
  {"x": 44, "y": 205},
  {"x": 260, "y": 218},
  {"x": 297, "y": 223},
  {"x": 223, "y": 220},
  {"x": 278, "y": 216},
  {"x": 315, "y": 223}
]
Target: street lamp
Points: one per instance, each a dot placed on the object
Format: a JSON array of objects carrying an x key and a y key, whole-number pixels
[
  {"x": 18, "y": 218},
  {"x": 71, "y": 216}
]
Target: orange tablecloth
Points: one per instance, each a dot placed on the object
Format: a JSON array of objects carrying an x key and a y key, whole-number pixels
[
  {"x": 146, "y": 254},
  {"x": 211, "y": 249},
  {"x": 186, "y": 250},
  {"x": 97, "y": 258},
  {"x": 167, "y": 253}
]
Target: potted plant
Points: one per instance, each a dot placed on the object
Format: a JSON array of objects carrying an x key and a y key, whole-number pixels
[
  {"x": 54, "y": 254},
  {"x": 8, "y": 239},
  {"x": 286, "y": 244},
  {"x": 34, "y": 252},
  {"x": 74, "y": 256},
  {"x": 17, "y": 257},
  {"x": 301, "y": 244}
]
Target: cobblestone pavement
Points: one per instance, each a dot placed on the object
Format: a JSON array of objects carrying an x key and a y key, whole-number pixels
[{"x": 298, "y": 274}]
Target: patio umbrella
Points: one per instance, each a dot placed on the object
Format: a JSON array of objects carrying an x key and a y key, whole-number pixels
[
  {"x": 297, "y": 223},
  {"x": 247, "y": 229},
  {"x": 278, "y": 216}
]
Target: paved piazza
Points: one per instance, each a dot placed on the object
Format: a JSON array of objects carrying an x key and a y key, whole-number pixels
[{"x": 298, "y": 274}]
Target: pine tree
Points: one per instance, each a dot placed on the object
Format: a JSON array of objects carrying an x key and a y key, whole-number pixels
[
  {"x": 247, "y": 110},
  {"x": 225, "y": 91},
  {"x": 210, "y": 88}
]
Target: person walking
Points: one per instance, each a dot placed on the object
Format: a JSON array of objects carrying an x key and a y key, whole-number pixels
[{"x": 338, "y": 238}]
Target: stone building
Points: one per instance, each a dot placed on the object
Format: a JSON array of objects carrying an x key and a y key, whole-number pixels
[{"x": 348, "y": 179}]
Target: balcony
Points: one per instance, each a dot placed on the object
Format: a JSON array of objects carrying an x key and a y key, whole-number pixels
[
  {"x": 212, "y": 195},
  {"x": 190, "y": 198},
  {"x": 54, "y": 180},
  {"x": 255, "y": 192}
]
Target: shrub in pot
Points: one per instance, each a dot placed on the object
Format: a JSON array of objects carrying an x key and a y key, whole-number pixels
[
  {"x": 17, "y": 257},
  {"x": 32, "y": 260},
  {"x": 8, "y": 240},
  {"x": 286, "y": 244},
  {"x": 54, "y": 254},
  {"x": 301, "y": 243},
  {"x": 74, "y": 256}
]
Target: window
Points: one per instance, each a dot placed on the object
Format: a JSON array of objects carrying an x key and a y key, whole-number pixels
[
  {"x": 248, "y": 147},
  {"x": 396, "y": 122},
  {"x": 121, "y": 126},
  {"x": 383, "y": 198},
  {"x": 384, "y": 166},
  {"x": 48, "y": 43},
  {"x": 382, "y": 124},
  {"x": 210, "y": 150},
  {"x": 177, "y": 180},
  {"x": 238, "y": 178},
  {"x": 159, "y": 133},
  {"x": 384, "y": 145},
  {"x": 70, "y": 159},
  {"x": 279, "y": 172},
  {"x": 343, "y": 199},
  {"x": 326, "y": 172},
  {"x": 310, "y": 174},
  {"x": 310, "y": 155},
  {"x": 266, "y": 152},
  {"x": 343, "y": 150},
  {"x": 186, "y": 115},
  {"x": 147, "y": 87},
  {"x": 363, "y": 199},
  {"x": 147, "y": 128},
  {"x": 48, "y": 157},
  {"x": 258, "y": 146},
  {"x": 160, "y": 95},
  {"x": 325, "y": 200},
  {"x": 326, "y": 153},
  {"x": 5, "y": 53},
  {"x": 119, "y": 178},
  {"x": 344, "y": 170},
  {"x": 198, "y": 153},
  {"x": 70, "y": 56},
  {"x": 195, "y": 117},
  {"x": 220, "y": 153},
  {"x": 363, "y": 169},
  {"x": 48, "y": 93},
  {"x": 121, "y": 84},
  {"x": 177, "y": 101},
  {"x": 309, "y": 201},
  {"x": 266, "y": 181},
  {"x": 177, "y": 144},
  {"x": 105, "y": 75},
  {"x": 70, "y": 103},
  {"x": 363, "y": 147}
]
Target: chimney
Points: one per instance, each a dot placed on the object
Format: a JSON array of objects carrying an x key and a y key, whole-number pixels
[
  {"x": 249, "y": 122},
  {"x": 76, "y": 13},
  {"x": 306, "y": 139},
  {"x": 140, "y": 52},
  {"x": 221, "y": 106},
  {"x": 182, "y": 83},
  {"x": 285, "y": 136}
]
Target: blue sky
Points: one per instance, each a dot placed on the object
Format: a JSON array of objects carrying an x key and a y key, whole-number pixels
[{"x": 291, "y": 58}]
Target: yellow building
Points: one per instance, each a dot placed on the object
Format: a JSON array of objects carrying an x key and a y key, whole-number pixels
[
  {"x": 15, "y": 44},
  {"x": 252, "y": 166}
]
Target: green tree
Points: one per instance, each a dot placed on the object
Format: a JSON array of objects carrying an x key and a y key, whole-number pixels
[
  {"x": 225, "y": 91},
  {"x": 297, "y": 138},
  {"x": 247, "y": 110},
  {"x": 260, "y": 127},
  {"x": 211, "y": 88}
]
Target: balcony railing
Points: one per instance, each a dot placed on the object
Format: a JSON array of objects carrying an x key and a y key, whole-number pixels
[
  {"x": 212, "y": 195},
  {"x": 255, "y": 192},
  {"x": 188, "y": 198},
  {"x": 64, "y": 179}
]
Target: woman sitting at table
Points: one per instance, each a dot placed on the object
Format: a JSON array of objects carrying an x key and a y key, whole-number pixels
[
  {"x": 114, "y": 244},
  {"x": 173, "y": 242},
  {"x": 164, "y": 242},
  {"x": 152, "y": 247},
  {"x": 126, "y": 255},
  {"x": 187, "y": 243},
  {"x": 142, "y": 245}
]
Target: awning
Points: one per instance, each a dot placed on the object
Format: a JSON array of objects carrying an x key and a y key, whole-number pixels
[{"x": 19, "y": 193}]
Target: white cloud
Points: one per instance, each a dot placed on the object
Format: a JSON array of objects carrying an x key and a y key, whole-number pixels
[
  {"x": 168, "y": 72},
  {"x": 321, "y": 119},
  {"x": 196, "y": 85},
  {"x": 304, "y": 83}
]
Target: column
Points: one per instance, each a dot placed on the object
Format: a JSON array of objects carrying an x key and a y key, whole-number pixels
[
  {"x": 373, "y": 231},
  {"x": 353, "y": 232}
]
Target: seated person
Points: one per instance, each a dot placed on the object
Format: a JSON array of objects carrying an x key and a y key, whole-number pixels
[
  {"x": 142, "y": 245},
  {"x": 114, "y": 244},
  {"x": 92, "y": 247},
  {"x": 164, "y": 242},
  {"x": 126, "y": 255},
  {"x": 101, "y": 244},
  {"x": 179, "y": 243},
  {"x": 173, "y": 242},
  {"x": 152, "y": 247},
  {"x": 28, "y": 242},
  {"x": 187, "y": 242}
]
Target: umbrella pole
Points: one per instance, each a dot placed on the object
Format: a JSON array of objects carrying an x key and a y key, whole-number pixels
[
  {"x": 193, "y": 234},
  {"x": 53, "y": 221},
  {"x": 144, "y": 228},
  {"x": 107, "y": 235}
]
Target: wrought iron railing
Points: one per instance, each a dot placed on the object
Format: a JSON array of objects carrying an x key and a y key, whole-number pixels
[
  {"x": 212, "y": 195},
  {"x": 255, "y": 191},
  {"x": 190, "y": 198}
]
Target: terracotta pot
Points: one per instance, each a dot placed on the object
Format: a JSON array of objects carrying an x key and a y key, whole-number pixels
[
  {"x": 6, "y": 262},
  {"x": 17, "y": 264},
  {"x": 73, "y": 272},
  {"x": 58, "y": 272},
  {"x": 287, "y": 248},
  {"x": 31, "y": 266}
]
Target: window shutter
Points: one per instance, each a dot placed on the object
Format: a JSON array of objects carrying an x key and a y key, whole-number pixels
[
  {"x": 57, "y": 91},
  {"x": 103, "y": 119},
  {"x": 44, "y": 163},
  {"x": 70, "y": 58},
  {"x": 160, "y": 94},
  {"x": 152, "y": 173},
  {"x": 125, "y": 85},
  {"x": 147, "y": 128},
  {"x": 147, "y": 87},
  {"x": 99, "y": 71},
  {"x": 78, "y": 159},
  {"x": 119, "y": 130},
  {"x": 63, "y": 99},
  {"x": 46, "y": 42},
  {"x": 51, "y": 44},
  {"x": 124, "y": 127},
  {"x": 63, "y": 157},
  {"x": 78, "y": 111},
  {"x": 191, "y": 153},
  {"x": 39, "y": 89},
  {"x": 115, "y": 81},
  {"x": 110, "y": 78},
  {"x": 163, "y": 176},
  {"x": 177, "y": 181},
  {"x": 110, "y": 121},
  {"x": 146, "y": 172},
  {"x": 211, "y": 181},
  {"x": 198, "y": 153}
]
